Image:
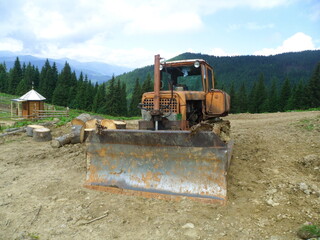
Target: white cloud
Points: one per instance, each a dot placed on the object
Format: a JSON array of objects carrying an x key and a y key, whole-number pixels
[
  {"x": 295, "y": 43},
  {"x": 10, "y": 44},
  {"x": 250, "y": 26},
  {"x": 166, "y": 24},
  {"x": 88, "y": 30}
]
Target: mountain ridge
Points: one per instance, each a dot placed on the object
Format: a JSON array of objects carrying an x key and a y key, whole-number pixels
[
  {"x": 297, "y": 66},
  {"x": 96, "y": 71}
]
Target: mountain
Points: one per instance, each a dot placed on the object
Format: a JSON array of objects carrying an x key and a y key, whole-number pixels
[
  {"x": 96, "y": 71},
  {"x": 295, "y": 66}
]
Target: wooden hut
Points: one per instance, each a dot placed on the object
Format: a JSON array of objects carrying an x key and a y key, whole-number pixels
[{"x": 27, "y": 104}]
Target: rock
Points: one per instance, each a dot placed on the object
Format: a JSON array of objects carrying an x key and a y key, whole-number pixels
[
  {"x": 191, "y": 233},
  {"x": 188, "y": 225},
  {"x": 272, "y": 203},
  {"x": 271, "y": 191},
  {"x": 275, "y": 238},
  {"x": 303, "y": 186},
  {"x": 310, "y": 161},
  {"x": 307, "y": 191}
]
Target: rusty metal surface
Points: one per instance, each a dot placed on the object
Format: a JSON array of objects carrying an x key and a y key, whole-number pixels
[
  {"x": 156, "y": 98},
  {"x": 156, "y": 164}
]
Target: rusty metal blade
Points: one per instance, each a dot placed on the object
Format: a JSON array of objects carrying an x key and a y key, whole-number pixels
[{"x": 158, "y": 163}]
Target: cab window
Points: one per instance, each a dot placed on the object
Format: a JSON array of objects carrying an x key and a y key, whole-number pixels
[
  {"x": 184, "y": 78},
  {"x": 210, "y": 84}
]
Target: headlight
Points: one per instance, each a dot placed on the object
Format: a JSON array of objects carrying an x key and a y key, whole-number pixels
[
  {"x": 196, "y": 64},
  {"x": 161, "y": 67}
]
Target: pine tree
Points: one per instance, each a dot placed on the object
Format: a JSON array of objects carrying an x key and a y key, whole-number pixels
[
  {"x": 100, "y": 99},
  {"x": 251, "y": 104},
  {"x": 123, "y": 100},
  {"x": 314, "y": 88},
  {"x": 234, "y": 102},
  {"x": 15, "y": 76},
  {"x": 242, "y": 99},
  {"x": 35, "y": 77},
  {"x": 147, "y": 85},
  {"x": 61, "y": 92},
  {"x": 261, "y": 96},
  {"x": 110, "y": 105},
  {"x": 89, "y": 96},
  {"x": 284, "y": 95},
  {"x": 3, "y": 78},
  {"x": 79, "y": 101},
  {"x": 22, "y": 87},
  {"x": 53, "y": 81},
  {"x": 45, "y": 78},
  {"x": 273, "y": 101},
  {"x": 135, "y": 100},
  {"x": 72, "y": 90}
]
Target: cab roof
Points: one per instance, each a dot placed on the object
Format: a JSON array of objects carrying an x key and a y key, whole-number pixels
[{"x": 185, "y": 61}]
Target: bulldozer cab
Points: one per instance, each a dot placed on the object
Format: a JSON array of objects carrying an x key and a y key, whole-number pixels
[{"x": 188, "y": 75}]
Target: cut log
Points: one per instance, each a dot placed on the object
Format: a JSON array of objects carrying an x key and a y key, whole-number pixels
[
  {"x": 108, "y": 124},
  {"x": 91, "y": 123},
  {"x": 81, "y": 119},
  {"x": 62, "y": 140},
  {"x": 30, "y": 129},
  {"x": 120, "y": 124},
  {"x": 77, "y": 135},
  {"x": 13, "y": 132},
  {"x": 42, "y": 134}
]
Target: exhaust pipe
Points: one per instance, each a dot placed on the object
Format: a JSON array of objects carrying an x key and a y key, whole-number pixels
[{"x": 156, "y": 99}]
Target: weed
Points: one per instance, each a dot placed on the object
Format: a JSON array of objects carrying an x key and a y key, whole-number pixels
[
  {"x": 312, "y": 124},
  {"x": 309, "y": 231},
  {"x": 28, "y": 236}
]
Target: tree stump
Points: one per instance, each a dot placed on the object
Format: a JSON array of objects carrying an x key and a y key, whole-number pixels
[
  {"x": 42, "y": 134},
  {"x": 30, "y": 129}
]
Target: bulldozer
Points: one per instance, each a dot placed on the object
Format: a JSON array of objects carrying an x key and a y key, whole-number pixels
[{"x": 179, "y": 150}]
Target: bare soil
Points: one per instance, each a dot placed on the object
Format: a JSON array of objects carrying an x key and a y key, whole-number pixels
[{"x": 273, "y": 188}]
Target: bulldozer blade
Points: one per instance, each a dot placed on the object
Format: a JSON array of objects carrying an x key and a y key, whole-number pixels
[{"x": 159, "y": 164}]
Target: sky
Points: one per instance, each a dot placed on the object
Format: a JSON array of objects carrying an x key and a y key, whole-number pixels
[{"x": 130, "y": 32}]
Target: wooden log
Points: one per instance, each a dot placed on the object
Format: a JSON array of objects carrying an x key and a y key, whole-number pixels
[
  {"x": 30, "y": 129},
  {"x": 77, "y": 135},
  {"x": 87, "y": 132},
  {"x": 42, "y": 134},
  {"x": 77, "y": 132},
  {"x": 108, "y": 124},
  {"x": 91, "y": 124},
  {"x": 62, "y": 140},
  {"x": 81, "y": 119},
  {"x": 120, "y": 124},
  {"x": 19, "y": 130}
]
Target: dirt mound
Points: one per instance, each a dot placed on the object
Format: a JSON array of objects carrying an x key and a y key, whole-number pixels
[{"x": 273, "y": 188}]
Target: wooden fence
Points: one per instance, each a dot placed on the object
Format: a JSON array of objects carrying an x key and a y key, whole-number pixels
[{"x": 38, "y": 114}]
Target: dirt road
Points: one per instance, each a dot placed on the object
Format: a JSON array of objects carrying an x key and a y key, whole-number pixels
[{"x": 273, "y": 188}]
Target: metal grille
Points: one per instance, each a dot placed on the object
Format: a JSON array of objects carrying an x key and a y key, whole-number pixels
[{"x": 164, "y": 104}]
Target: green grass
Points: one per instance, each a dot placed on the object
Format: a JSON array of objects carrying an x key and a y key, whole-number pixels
[
  {"x": 311, "y": 124},
  {"x": 305, "y": 110},
  {"x": 309, "y": 231},
  {"x": 5, "y": 99}
]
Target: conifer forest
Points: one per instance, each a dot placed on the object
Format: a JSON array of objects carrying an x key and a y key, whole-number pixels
[{"x": 253, "y": 88}]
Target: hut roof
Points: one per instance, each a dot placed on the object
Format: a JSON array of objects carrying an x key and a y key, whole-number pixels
[{"x": 32, "y": 95}]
